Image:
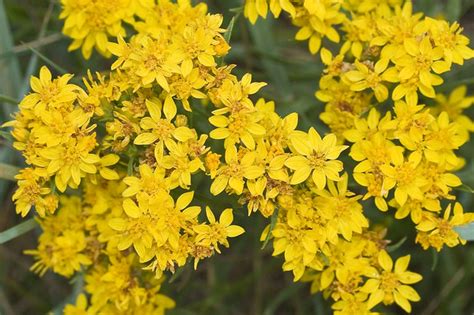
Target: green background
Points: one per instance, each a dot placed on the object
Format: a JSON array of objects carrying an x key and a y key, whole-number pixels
[{"x": 244, "y": 279}]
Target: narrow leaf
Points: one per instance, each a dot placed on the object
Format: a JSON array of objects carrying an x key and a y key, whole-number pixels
[
  {"x": 17, "y": 230},
  {"x": 230, "y": 27},
  {"x": 8, "y": 171},
  {"x": 272, "y": 226},
  {"x": 397, "y": 245},
  {"x": 8, "y": 99},
  {"x": 57, "y": 67}
]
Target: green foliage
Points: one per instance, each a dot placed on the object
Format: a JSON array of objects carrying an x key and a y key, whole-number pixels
[{"x": 246, "y": 280}]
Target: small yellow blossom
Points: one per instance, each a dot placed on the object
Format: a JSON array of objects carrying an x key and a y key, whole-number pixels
[
  {"x": 315, "y": 157},
  {"x": 392, "y": 284}
]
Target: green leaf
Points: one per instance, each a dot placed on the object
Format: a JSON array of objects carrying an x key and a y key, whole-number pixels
[
  {"x": 6, "y": 135},
  {"x": 237, "y": 9},
  {"x": 230, "y": 27},
  {"x": 17, "y": 230},
  {"x": 8, "y": 171},
  {"x": 397, "y": 245},
  {"x": 435, "y": 256},
  {"x": 466, "y": 231},
  {"x": 228, "y": 34},
  {"x": 57, "y": 67},
  {"x": 273, "y": 221},
  {"x": 130, "y": 166},
  {"x": 10, "y": 75},
  {"x": 10, "y": 85},
  {"x": 465, "y": 188}
]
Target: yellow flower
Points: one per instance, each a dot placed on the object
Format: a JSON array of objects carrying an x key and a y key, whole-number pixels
[
  {"x": 119, "y": 285},
  {"x": 216, "y": 232},
  {"x": 90, "y": 23},
  {"x": 71, "y": 161},
  {"x": 182, "y": 166},
  {"x": 255, "y": 8},
  {"x": 341, "y": 209},
  {"x": 316, "y": 21},
  {"x": 64, "y": 253},
  {"x": 32, "y": 193},
  {"x": 236, "y": 170},
  {"x": 417, "y": 64},
  {"x": 153, "y": 223},
  {"x": 343, "y": 106},
  {"x": 438, "y": 231},
  {"x": 404, "y": 177},
  {"x": 445, "y": 136},
  {"x": 369, "y": 76},
  {"x": 148, "y": 184},
  {"x": 352, "y": 304},
  {"x": 449, "y": 38},
  {"x": 366, "y": 128},
  {"x": 49, "y": 93},
  {"x": 105, "y": 162},
  {"x": 454, "y": 105},
  {"x": 153, "y": 60},
  {"x": 316, "y": 157},
  {"x": 239, "y": 127},
  {"x": 392, "y": 284},
  {"x": 161, "y": 129}
]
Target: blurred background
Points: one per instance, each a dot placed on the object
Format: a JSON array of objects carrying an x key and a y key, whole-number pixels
[{"x": 245, "y": 279}]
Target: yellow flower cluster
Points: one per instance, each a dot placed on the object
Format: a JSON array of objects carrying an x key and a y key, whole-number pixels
[
  {"x": 359, "y": 275},
  {"x": 324, "y": 238},
  {"x": 128, "y": 145},
  {"x": 406, "y": 154},
  {"x": 316, "y": 19},
  {"x": 132, "y": 148},
  {"x": 55, "y": 134},
  {"x": 78, "y": 238},
  {"x": 411, "y": 155}
]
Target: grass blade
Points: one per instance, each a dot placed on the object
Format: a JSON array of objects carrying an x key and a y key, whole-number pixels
[
  {"x": 8, "y": 172},
  {"x": 17, "y": 230},
  {"x": 272, "y": 226},
  {"x": 10, "y": 84},
  {"x": 8, "y": 99},
  {"x": 57, "y": 67}
]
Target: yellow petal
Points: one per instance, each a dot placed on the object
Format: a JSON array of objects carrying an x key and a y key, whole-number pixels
[
  {"x": 145, "y": 138},
  {"x": 300, "y": 175},
  {"x": 385, "y": 261},
  {"x": 184, "y": 200},
  {"x": 401, "y": 264},
  {"x": 408, "y": 292},
  {"x": 131, "y": 209},
  {"x": 226, "y": 217},
  {"x": 234, "y": 230},
  {"x": 375, "y": 298}
]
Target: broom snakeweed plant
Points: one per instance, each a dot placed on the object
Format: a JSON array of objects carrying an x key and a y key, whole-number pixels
[{"x": 112, "y": 166}]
